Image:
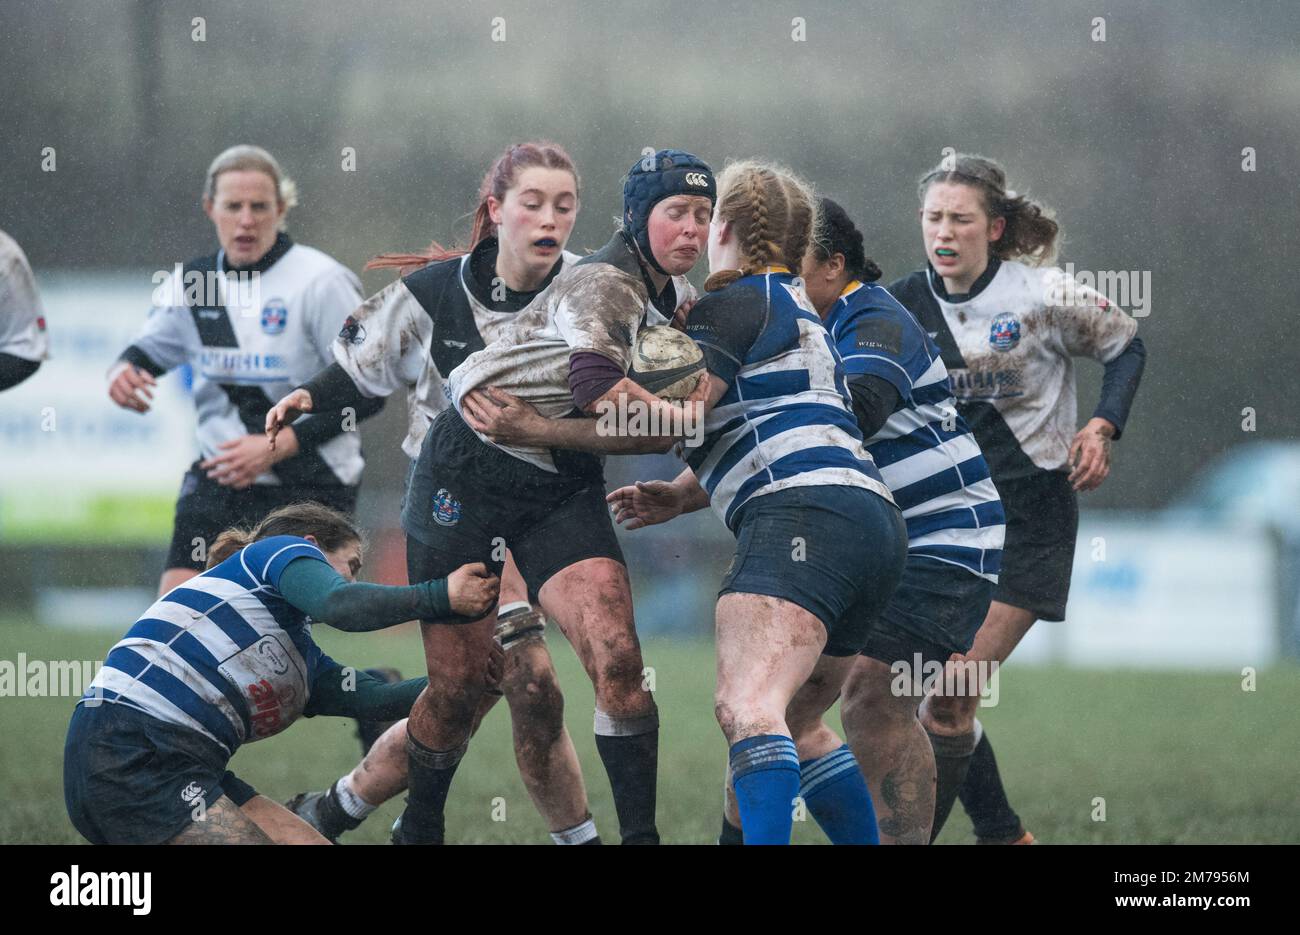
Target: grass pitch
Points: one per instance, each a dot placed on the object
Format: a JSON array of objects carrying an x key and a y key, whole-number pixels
[{"x": 1177, "y": 757}]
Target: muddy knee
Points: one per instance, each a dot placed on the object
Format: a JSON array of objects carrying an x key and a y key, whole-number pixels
[{"x": 536, "y": 705}]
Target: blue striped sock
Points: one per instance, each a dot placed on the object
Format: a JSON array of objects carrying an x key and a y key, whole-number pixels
[
  {"x": 765, "y": 775},
  {"x": 837, "y": 796}
]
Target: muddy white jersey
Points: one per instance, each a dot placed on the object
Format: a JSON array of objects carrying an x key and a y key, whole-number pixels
[
  {"x": 414, "y": 332},
  {"x": 598, "y": 305},
  {"x": 1009, "y": 346},
  {"x": 22, "y": 319}
]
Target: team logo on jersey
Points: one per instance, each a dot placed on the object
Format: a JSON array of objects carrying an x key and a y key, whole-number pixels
[
  {"x": 274, "y": 317},
  {"x": 446, "y": 508},
  {"x": 352, "y": 331},
  {"x": 1004, "y": 334},
  {"x": 879, "y": 334}
]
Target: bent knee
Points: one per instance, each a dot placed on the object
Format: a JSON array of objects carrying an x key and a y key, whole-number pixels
[
  {"x": 536, "y": 698},
  {"x": 741, "y": 717}
]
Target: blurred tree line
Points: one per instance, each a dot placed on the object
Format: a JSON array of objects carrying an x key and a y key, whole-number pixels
[{"x": 1136, "y": 140}]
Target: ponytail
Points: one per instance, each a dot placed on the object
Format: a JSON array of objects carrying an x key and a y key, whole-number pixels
[
  {"x": 772, "y": 213},
  {"x": 838, "y": 234},
  {"x": 1031, "y": 232},
  {"x": 500, "y": 178},
  {"x": 330, "y": 528}
]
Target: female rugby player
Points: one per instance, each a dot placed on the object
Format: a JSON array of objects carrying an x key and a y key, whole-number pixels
[
  {"x": 926, "y": 455},
  {"x": 23, "y": 341},
  {"x": 410, "y": 336},
  {"x": 225, "y": 659},
  {"x": 820, "y": 544},
  {"x": 1009, "y": 327},
  {"x": 569, "y": 352},
  {"x": 245, "y": 356}
]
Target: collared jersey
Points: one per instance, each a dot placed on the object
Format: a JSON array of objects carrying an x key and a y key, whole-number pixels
[
  {"x": 598, "y": 304},
  {"x": 251, "y": 343},
  {"x": 925, "y": 451},
  {"x": 784, "y": 420},
  {"x": 1009, "y": 346},
  {"x": 415, "y": 332},
  {"x": 224, "y": 653}
]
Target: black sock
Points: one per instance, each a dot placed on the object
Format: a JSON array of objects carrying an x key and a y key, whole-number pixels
[
  {"x": 632, "y": 763},
  {"x": 984, "y": 798},
  {"x": 951, "y": 760},
  {"x": 334, "y": 821},
  {"x": 730, "y": 833},
  {"x": 431, "y": 772}
]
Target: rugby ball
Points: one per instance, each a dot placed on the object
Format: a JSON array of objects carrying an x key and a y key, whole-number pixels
[{"x": 666, "y": 362}]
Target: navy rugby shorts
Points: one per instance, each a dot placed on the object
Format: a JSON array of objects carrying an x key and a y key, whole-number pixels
[
  {"x": 129, "y": 778},
  {"x": 1038, "y": 556},
  {"x": 936, "y": 611},
  {"x": 837, "y": 552},
  {"x": 464, "y": 498}
]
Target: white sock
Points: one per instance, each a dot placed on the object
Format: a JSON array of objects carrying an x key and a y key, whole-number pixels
[
  {"x": 349, "y": 801},
  {"x": 578, "y": 834}
]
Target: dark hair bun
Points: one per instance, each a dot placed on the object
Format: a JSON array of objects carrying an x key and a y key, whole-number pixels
[{"x": 838, "y": 234}]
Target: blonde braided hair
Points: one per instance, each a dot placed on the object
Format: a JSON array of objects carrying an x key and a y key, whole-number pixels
[
  {"x": 755, "y": 198},
  {"x": 804, "y": 211}
]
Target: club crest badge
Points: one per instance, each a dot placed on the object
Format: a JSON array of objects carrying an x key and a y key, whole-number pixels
[
  {"x": 446, "y": 508},
  {"x": 1004, "y": 334},
  {"x": 353, "y": 332},
  {"x": 274, "y": 317}
]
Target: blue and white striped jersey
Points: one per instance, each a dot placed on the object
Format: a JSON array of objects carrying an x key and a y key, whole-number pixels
[
  {"x": 925, "y": 451},
  {"x": 223, "y": 654},
  {"x": 784, "y": 420}
]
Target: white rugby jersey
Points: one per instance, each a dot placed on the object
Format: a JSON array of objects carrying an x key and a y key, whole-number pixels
[
  {"x": 224, "y": 653},
  {"x": 22, "y": 319},
  {"x": 1009, "y": 347},
  {"x": 784, "y": 420},
  {"x": 395, "y": 340},
  {"x": 925, "y": 451},
  {"x": 598, "y": 304},
  {"x": 251, "y": 344}
]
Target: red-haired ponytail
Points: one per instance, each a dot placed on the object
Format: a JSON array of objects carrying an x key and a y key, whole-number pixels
[{"x": 498, "y": 180}]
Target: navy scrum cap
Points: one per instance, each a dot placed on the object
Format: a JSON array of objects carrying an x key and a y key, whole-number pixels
[{"x": 668, "y": 172}]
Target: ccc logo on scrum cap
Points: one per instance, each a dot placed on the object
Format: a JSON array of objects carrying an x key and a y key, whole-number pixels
[{"x": 697, "y": 178}]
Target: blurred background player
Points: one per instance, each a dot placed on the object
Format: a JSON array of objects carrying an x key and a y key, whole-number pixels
[
  {"x": 277, "y": 309},
  {"x": 410, "y": 335},
  {"x": 903, "y": 404},
  {"x": 1008, "y": 325},
  {"x": 23, "y": 341},
  {"x": 569, "y": 353},
  {"x": 226, "y": 659}
]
